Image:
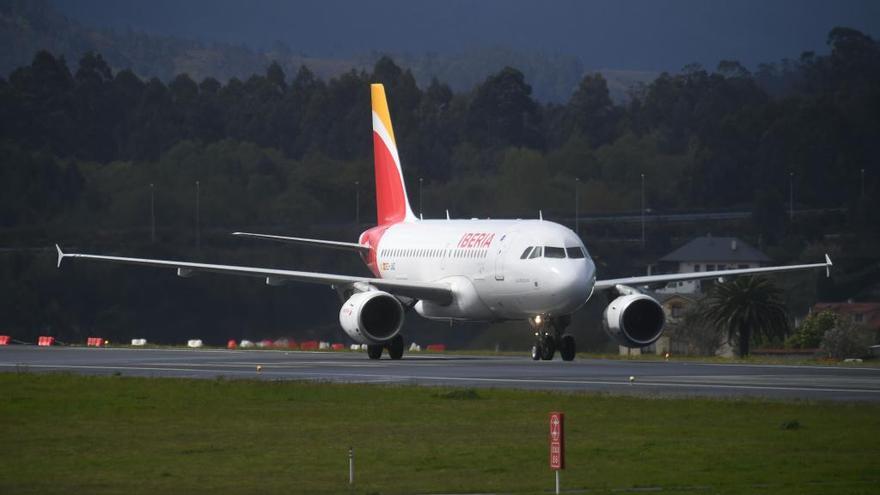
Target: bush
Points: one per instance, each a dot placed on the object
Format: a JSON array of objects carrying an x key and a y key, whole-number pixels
[
  {"x": 703, "y": 338},
  {"x": 809, "y": 334},
  {"x": 846, "y": 340}
]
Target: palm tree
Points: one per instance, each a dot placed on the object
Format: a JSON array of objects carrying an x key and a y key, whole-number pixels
[{"x": 746, "y": 305}]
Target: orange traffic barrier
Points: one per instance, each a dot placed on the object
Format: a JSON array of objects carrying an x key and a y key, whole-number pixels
[
  {"x": 309, "y": 345},
  {"x": 338, "y": 347},
  {"x": 4, "y": 339},
  {"x": 231, "y": 344},
  {"x": 44, "y": 341},
  {"x": 436, "y": 347},
  {"x": 94, "y": 342}
]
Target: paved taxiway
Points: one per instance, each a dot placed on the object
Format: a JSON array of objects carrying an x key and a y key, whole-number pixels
[{"x": 596, "y": 375}]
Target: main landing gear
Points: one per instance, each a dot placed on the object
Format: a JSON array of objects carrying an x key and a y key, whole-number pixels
[
  {"x": 394, "y": 346},
  {"x": 549, "y": 338}
]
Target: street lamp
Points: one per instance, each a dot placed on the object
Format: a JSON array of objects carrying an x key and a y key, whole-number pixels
[
  {"x": 643, "y": 211},
  {"x": 198, "y": 232},
  {"x": 577, "y": 183},
  {"x": 863, "y": 183},
  {"x": 152, "y": 215}
]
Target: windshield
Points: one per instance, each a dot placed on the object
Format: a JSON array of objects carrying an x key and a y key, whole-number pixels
[
  {"x": 554, "y": 252},
  {"x": 575, "y": 252}
]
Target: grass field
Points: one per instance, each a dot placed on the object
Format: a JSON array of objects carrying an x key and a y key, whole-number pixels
[{"x": 63, "y": 433}]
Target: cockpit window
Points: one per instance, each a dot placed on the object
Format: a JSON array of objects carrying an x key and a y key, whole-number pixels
[
  {"x": 554, "y": 252},
  {"x": 526, "y": 253},
  {"x": 536, "y": 253},
  {"x": 575, "y": 252}
]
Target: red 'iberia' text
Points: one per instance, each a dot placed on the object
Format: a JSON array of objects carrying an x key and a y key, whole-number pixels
[{"x": 476, "y": 240}]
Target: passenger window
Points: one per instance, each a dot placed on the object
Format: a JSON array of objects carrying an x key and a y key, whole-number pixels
[
  {"x": 536, "y": 253},
  {"x": 526, "y": 253},
  {"x": 554, "y": 252},
  {"x": 574, "y": 252}
]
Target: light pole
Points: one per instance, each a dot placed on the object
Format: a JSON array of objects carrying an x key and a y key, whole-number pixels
[
  {"x": 791, "y": 195},
  {"x": 198, "y": 227},
  {"x": 643, "y": 211},
  {"x": 420, "y": 197},
  {"x": 577, "y": 183},
  {"x": 152, "y": 215},
  {"x": 357, "y": 202},
  {"x": 863, "y": 183}
]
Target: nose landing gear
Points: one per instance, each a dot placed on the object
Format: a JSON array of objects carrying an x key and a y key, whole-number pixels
[{"x": 549, "y": 338}]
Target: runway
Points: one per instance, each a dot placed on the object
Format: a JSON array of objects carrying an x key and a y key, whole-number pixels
[{"x": 651, "y": 378}]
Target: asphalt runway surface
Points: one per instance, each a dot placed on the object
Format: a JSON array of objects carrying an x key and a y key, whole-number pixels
[{"x": 653, "y": 378}]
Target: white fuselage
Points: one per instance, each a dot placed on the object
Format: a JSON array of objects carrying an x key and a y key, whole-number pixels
[{"x": 482, "y": 261}]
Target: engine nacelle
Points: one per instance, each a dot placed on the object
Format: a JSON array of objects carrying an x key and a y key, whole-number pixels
[
  {"x": 371, "y": 317},
  {"x": 634, "y": 320}
]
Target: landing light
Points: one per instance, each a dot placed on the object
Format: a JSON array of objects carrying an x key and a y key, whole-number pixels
[{"x": 538, "y": 320}]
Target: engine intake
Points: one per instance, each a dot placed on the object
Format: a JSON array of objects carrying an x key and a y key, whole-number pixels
[
  {"x": 371, "y": 317},
  {"x": 634, "y": 320}
]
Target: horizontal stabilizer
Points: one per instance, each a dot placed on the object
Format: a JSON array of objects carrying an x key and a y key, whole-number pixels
[{"x": 351, "y": 246}]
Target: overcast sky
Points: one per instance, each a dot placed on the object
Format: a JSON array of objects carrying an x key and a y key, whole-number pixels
[{"x": 618, "y": 34}]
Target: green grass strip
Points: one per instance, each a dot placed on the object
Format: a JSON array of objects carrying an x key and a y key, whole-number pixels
[{"x": 63, "y": 433}]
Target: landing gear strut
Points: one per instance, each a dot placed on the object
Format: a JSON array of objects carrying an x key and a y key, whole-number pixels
[{"x": 549, "y": 338}]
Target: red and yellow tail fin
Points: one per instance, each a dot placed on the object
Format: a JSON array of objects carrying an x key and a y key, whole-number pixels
[{"x": 392, "y": 205}]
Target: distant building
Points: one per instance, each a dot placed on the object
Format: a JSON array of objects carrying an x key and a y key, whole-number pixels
[
  {"x": 705, "y": 254},
  {"x": 865, "y": 313}
]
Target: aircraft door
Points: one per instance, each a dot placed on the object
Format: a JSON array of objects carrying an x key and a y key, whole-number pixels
[{"x": 500, "y": 251}]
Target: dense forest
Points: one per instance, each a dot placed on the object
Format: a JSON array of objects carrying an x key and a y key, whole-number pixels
[
  {"x": 85, "y": 151},
  {"x": 27, "y": 26}
]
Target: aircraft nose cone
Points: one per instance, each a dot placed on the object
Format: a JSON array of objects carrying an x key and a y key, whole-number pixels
[{"x": 572, "y": 284}]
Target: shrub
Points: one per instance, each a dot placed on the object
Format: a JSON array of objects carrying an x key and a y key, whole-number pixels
[
  {"x": 809, "y": 334},
  {"x": 702, "y": 337},
  {"x": 846, "y": 340}
]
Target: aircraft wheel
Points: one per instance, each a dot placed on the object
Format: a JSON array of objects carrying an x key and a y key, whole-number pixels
[
  {"x": 395, "y": 347},
  {"x": 567, "y": 347},
  {"x": 548, "y": 349},
  {"x": 536, "y": 352},
  {"x": 374, "y": 351}
]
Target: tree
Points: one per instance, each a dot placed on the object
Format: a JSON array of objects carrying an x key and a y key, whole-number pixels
[
  {"x": 811, "y": 331},
  {"x": 701, "y": 336},
  {"x": 748, "y": 308},
  {"x": 846, "y": 340},
  {"x": 503, "y": 112},
  {"x": 591, "y": 111}
]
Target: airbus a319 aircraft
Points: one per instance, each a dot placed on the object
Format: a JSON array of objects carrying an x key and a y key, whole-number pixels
[{"x": 464, "y": 270}]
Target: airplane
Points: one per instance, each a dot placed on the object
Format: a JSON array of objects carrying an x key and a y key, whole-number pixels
[{"x": 464, "y": 270}]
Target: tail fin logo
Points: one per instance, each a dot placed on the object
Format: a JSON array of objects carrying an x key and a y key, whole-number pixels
[{"x": 392, "y": 205}]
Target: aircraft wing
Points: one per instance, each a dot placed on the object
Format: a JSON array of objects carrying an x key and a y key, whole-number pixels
[
  {"x": 678, "y": 277},
  {"x": 437, "y": 292},
  {"x": 352, "y": 246}
]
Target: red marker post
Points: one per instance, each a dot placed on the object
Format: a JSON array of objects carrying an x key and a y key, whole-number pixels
[{"x": 557, "y": 444}]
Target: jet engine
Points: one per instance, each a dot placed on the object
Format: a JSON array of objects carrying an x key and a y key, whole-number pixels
[
  {"x": 634, "y": 320},
  {"x": 371, "y": 317}
]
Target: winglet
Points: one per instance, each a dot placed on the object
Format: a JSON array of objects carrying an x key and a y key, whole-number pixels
[
  {"x": 828, "y": 265},
  {"x": 60, "y": 255}
]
